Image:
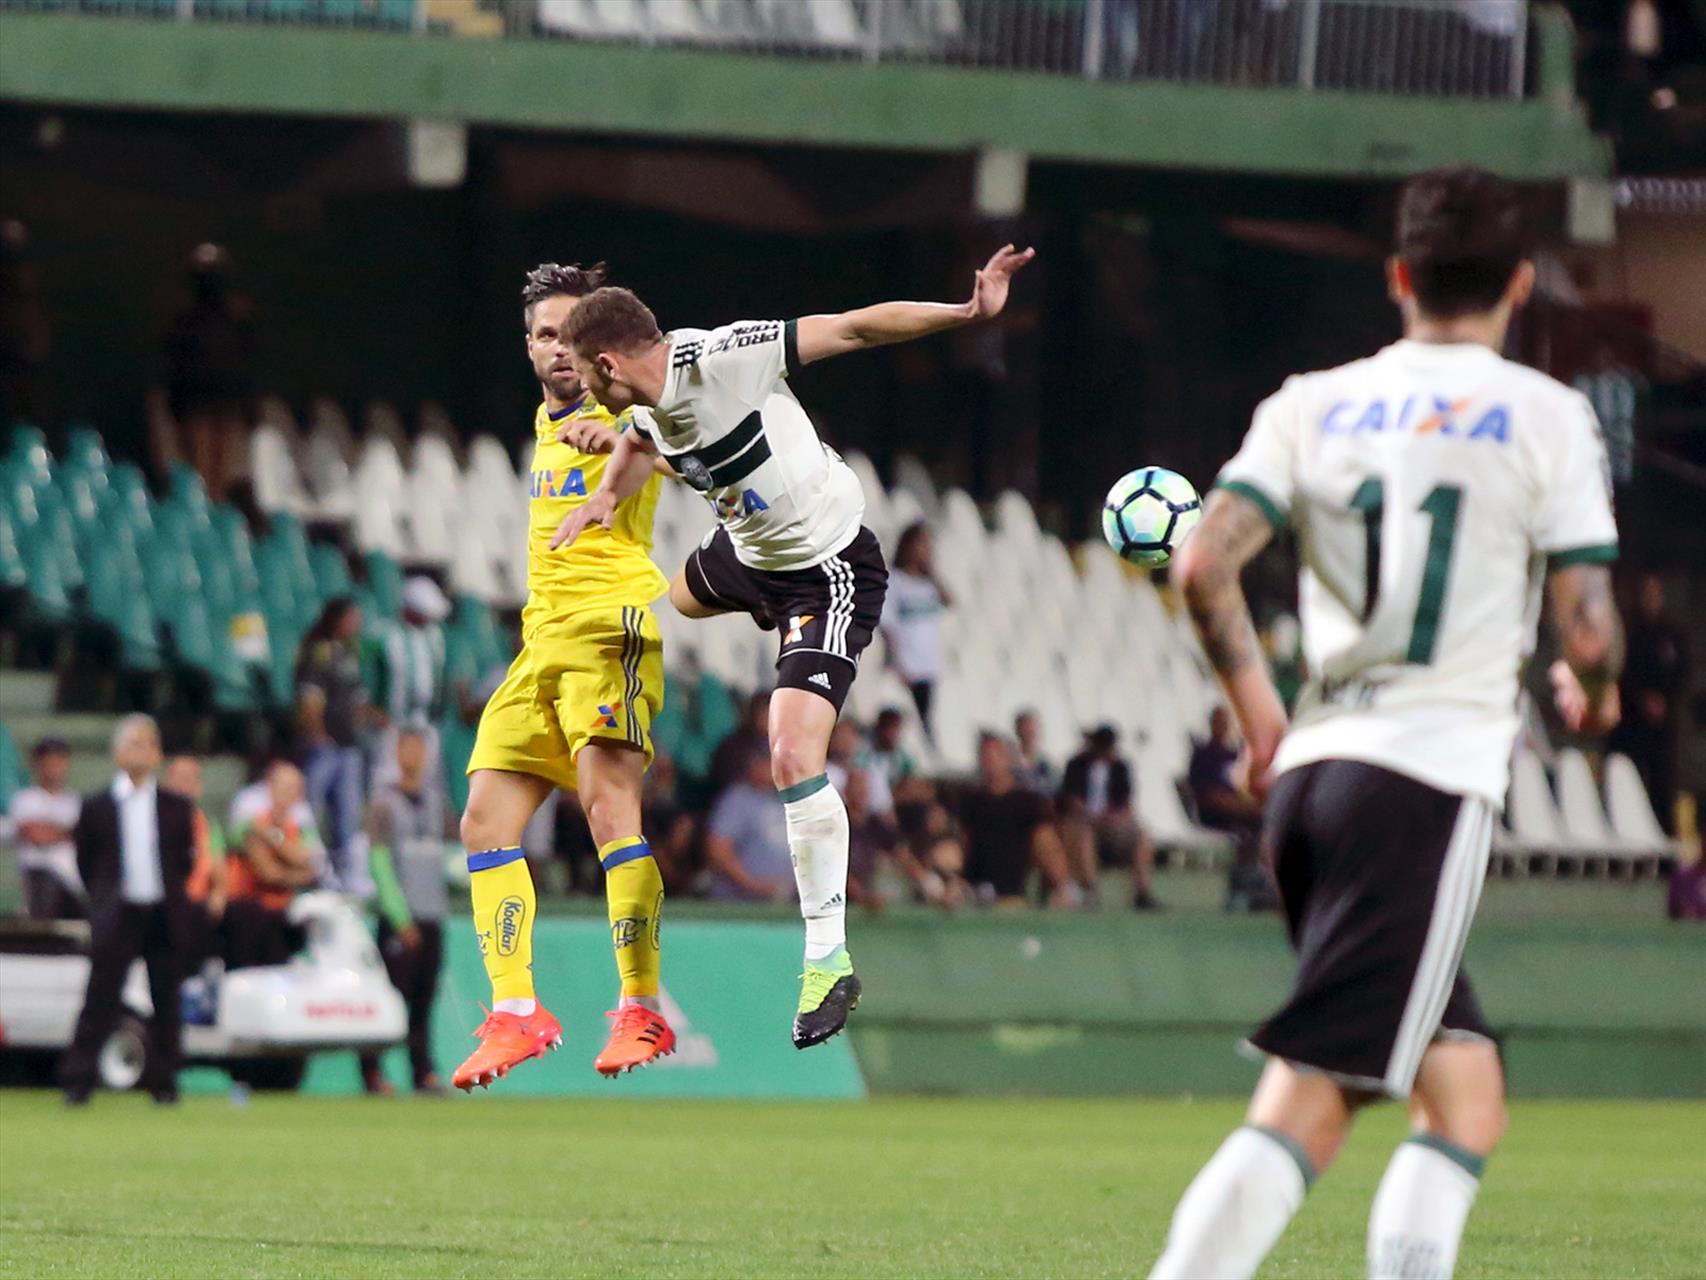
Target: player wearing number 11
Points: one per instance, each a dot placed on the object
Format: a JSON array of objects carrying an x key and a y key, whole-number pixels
[{"x": 1431, "y": 486}]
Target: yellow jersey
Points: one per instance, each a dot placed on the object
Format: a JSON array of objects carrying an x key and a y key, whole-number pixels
[{"x": 605, "y": 568}]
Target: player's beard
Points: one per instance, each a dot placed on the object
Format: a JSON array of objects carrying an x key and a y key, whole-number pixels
[{"x": 565, "y": 386}]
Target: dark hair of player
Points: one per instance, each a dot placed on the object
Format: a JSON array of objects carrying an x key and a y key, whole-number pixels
[
  {"x": 551, "y": 279},
  {"x": 1460, "y": 233},
  {"x": 611, "y": 319}
]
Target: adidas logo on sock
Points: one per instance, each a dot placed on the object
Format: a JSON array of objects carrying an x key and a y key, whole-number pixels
[{"x": 821, "y": 679}]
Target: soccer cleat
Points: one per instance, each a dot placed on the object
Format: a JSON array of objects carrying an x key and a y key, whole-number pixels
[
  {"x": 506, "y": 1041},
  {"x": 637, "y": 1036},
  {"x": 829, "y": 991}
]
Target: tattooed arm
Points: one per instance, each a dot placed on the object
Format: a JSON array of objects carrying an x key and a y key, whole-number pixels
[
  {"x": 1590, "y": 635},
  {"x": 1206, "y": 570}
]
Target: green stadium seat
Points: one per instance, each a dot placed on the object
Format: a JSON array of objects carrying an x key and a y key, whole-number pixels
[
  {"x": 85, "y": 452},
  {"x": 117, "y": 594},
  {"x": 288, "y": 535},
  {"x": 14, "y": 574},
  {"x": 331, "y": 572},
  {"x": 385, "y": 580},
  {"x": 34, "y": 537},
  {"x": 27, "y": 443},
  {"x": 13, "y": 773}
]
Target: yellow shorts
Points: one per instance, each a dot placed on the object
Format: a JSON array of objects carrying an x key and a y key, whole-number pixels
[{"x": 597, "y": 675}]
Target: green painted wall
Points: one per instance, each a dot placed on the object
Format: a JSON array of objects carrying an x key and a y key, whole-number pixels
[
  {"x": 686, "y": 93},
  {"x": 1077, "y": 1004}
]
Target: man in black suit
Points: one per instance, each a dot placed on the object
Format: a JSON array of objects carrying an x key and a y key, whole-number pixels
[{"x": 135, "y": 848}]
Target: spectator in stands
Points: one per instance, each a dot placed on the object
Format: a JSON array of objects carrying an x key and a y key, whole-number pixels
[
  {"x": 411, "y": 678},
  {"x": 1654, "y": 677},
  {"x": 206, "y": 884},
  {"x": 210, "y": 379},
  {"x": 671, "y": 829},
  {"x": 728, "y": 761},
  {"x": 407, "y": 825},
  {"x": 746, "y": 839},
  {"x": 873, "y": 842},
  {"x": 938, "y": 868},
  {"x": 331, "y": 713},
  {"x": 845, "y": 751},
  {"x": 135, "y": 849},
  {"x": 912, "y": 617},
  {"x": 1033, "y": 771},
  {"x": 1223, "y": 806},
  {"x": 1010, "y": 831},
  {"x": 45, "y": 817},
  {"x": 890, "y": 758},
  {"x": 275, "y": 851},
  {"x": 26, "y": 329},
  {"x": 1099, "y": 818}
]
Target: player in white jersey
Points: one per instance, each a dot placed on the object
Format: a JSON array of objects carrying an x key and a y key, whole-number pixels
[
  {"x": 1432, "y": 487},
  {"x": 790, "y": 547}
]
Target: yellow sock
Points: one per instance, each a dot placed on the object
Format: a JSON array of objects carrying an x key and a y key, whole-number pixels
[
  {"x": 504, "y": 907},
  {"x": 634, "y": 889}
]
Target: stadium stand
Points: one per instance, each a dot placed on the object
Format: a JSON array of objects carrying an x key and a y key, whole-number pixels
[{"x": 180, "y": 586}]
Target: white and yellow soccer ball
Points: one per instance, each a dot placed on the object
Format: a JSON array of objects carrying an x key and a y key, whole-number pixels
[{"x": 1148, "y": 514}]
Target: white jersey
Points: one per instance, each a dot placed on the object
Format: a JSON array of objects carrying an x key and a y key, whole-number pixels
[
  {"x": 731, "y": 428},
  {"x": 1431, "y": 485}
]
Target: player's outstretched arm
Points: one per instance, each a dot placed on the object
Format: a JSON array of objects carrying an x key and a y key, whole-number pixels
[
  {"x": 1590, "y": 639},
  {"x": 626, "y": 473},
  {"x": 819, "y": 337},
  {"x": 1206, "y": 571}
]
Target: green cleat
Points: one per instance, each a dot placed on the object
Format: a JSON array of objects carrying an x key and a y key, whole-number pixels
[{"x": 829, "y": 991}]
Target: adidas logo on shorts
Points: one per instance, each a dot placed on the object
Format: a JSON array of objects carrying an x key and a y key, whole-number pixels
[{"x": 821, "y": 679}]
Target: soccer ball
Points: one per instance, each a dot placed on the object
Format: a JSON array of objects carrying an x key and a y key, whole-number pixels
[{"x": 1148, "y": 513}]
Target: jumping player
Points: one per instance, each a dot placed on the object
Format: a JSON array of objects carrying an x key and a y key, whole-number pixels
[
  {"x": 574, "y": 711},
  {"x": 1432, "y": 486},
  {"x": 790, "y": 548}
]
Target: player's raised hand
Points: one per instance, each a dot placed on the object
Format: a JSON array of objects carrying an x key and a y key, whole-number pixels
[
  {"x": 588, "y": 435},
  {"x": 989, "y": 294},
  {"x": 600, "y": 509}
]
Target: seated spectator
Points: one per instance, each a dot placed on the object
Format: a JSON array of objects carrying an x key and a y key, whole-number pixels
[
  {"x": 670, "y": 828},
  {"x": 912, "y": 617},
  {"x": 746, "y": 839},
  {"x": 728, "y": 761},
  {"x": 895, "y": 762},
  {"x": 872, "y": 842},
  {"x": 845, "y": 760},
  {"x": 45, "y": 817},
  {"x": 206, "y": 885},
  {"x": 273, "y": 855},
  {"x": 1221, "y": 806},
  {"x": 1033, "y": 771},
  {"x": 1010, "y": 831},
  {"x": 1098, "y": 819}
]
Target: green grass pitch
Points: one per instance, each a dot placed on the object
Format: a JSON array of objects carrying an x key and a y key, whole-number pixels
[{"x": 496, "y": 1187}]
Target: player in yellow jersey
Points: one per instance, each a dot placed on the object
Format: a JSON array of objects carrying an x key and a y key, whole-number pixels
[{"x": 574, "y": 711}]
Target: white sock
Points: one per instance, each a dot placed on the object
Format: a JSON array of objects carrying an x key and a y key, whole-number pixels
[
  {"x": 1420, "y": 1209},
  {"x": 645, "y": 1002},
  {"x": 521, "y": 1006},
  {"x": 1236, "y": 1209},
  {"x": 817, "y": 839}
]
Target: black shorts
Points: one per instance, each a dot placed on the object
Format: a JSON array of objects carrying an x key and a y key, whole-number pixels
[
  {"x": 825, "y": 615},
  {"x": 1379, "y": 876}
]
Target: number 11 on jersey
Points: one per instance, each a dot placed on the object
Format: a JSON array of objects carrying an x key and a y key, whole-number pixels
[{"x": 1442, "y": 507}]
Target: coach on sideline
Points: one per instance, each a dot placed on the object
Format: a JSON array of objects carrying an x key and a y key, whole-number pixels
[{"x": 135, "y": 849}]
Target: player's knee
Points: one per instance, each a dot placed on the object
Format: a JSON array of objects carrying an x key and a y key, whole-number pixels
[
  {"x": 793, "y": 761},
  {"x": 481, "y": 828},
  {"x": 1476, "y": 1124}
]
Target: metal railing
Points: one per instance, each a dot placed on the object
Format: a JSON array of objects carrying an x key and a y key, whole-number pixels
[{"x": 1450, "y": 48}]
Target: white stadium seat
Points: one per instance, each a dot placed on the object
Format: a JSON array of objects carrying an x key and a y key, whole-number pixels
[
  {"x": 1633, "y": 821},
  {"x": 272, "y": 468},
  {"x": 1535, "y": 824},
  {"x": 1578, "y": 803}
]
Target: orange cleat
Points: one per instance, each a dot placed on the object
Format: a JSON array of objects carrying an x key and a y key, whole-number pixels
[
  {"x": 506, "y": 1041},
  {"x": 637, "y": 1037}
]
